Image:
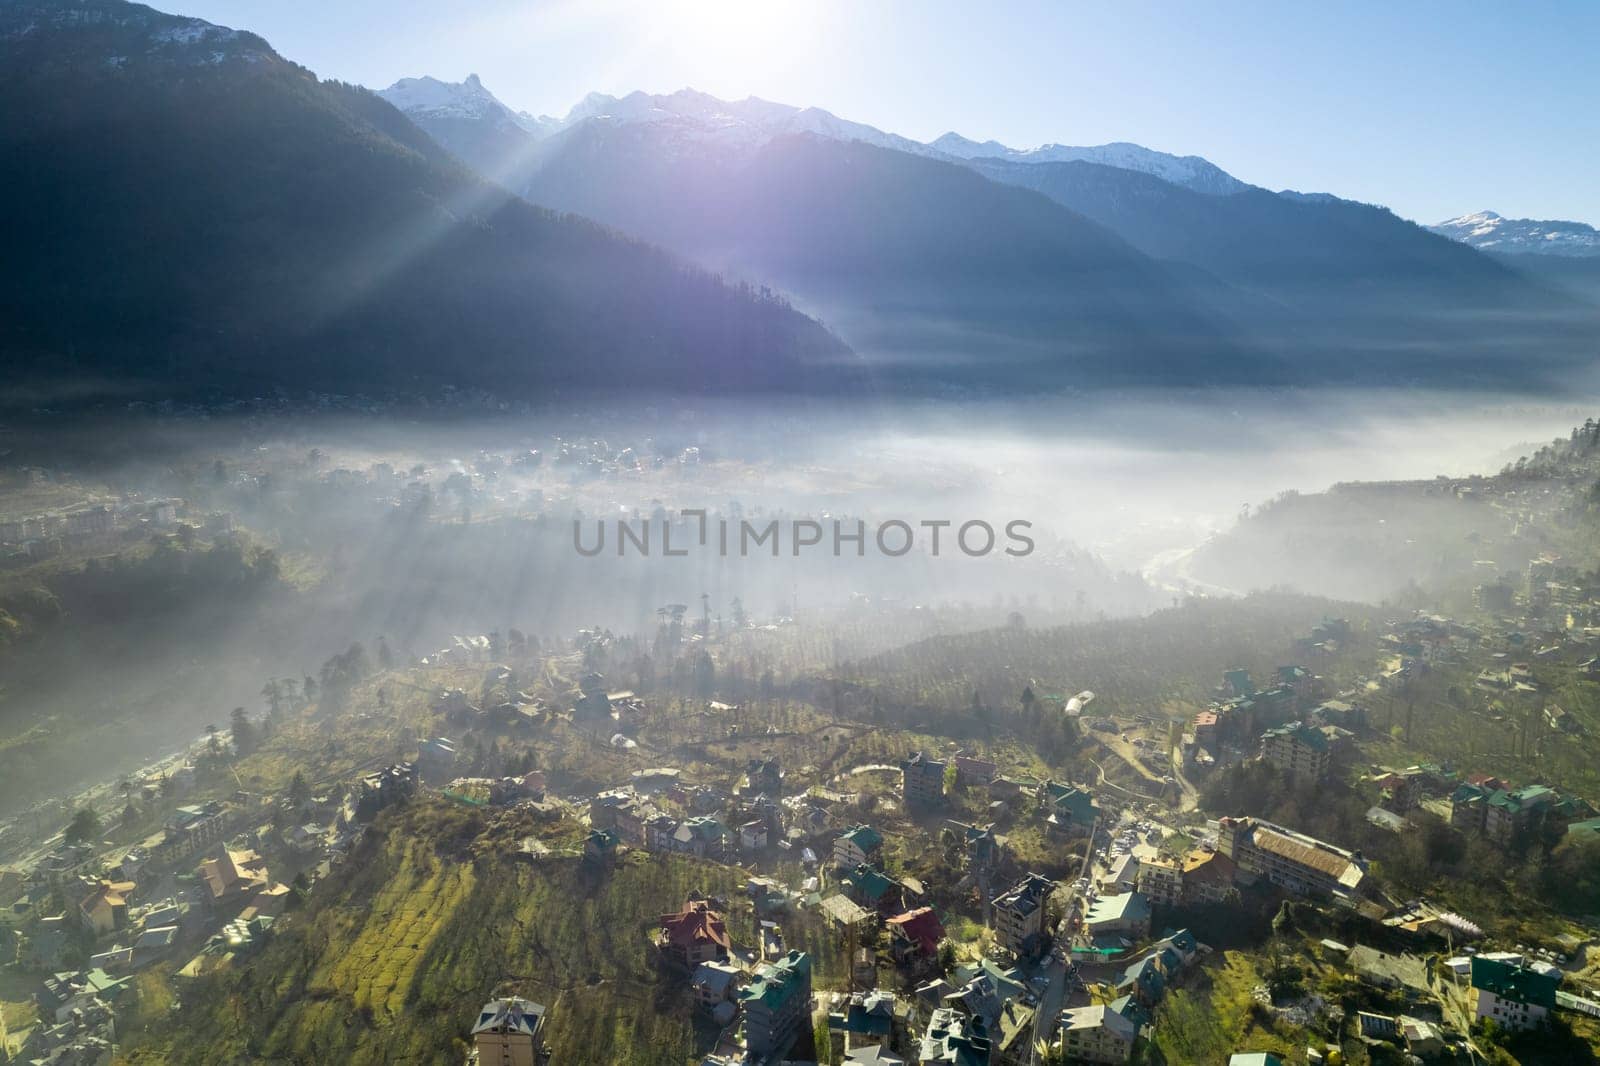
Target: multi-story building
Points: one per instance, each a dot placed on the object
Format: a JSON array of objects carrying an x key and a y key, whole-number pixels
[
  {"x": 763, "y": 777},
  {"x": 1208, "y": 876},
  {"x": 508, "y": 1032},
  {"x": 1513, "y": 996},
  {"x": 1299, "y": 751},
  {"x": 191, "y": 829},
  {"x": 1019, "y": 914},
  {"x": 1072, "y": 810},
  {"x": 1506, "y": 815},
  {"x": 1293, "y": 861},
  {"x": 694, "y": 935},
  {"x": 64, "y": 864},
  {"x": 777, "y": 1004},
  {"x": 386, "y": 787},
  {"x": 715, "y": 982},
  {"x": 859, "y": 845},
  {"x": 1160, "y": 879},
  {"x": 956, "y": 1038},
  {"x": 922, "y": 780},
  {"x": 1097, "y": 1034}
]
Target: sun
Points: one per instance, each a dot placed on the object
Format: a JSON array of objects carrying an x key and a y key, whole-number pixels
[{"x": 729, "y": 36}]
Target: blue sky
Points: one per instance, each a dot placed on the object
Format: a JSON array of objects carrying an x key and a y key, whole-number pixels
[{"x": 1433, "y": 109}]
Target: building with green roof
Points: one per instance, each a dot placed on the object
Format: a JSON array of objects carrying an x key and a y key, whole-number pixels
[
  {"x": 777, "y": 1004},
  {"x": 856, "y": 845},
  {"x": 1512, "y": 996}
]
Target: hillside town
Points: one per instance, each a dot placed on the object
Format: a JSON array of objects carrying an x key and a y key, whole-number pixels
[{"x": 1044, "y": 921}]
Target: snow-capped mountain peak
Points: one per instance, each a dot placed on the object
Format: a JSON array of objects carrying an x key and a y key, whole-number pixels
[
  {"x": 466, "y": 100},
  {"x": 1489, "y": 231},
  {"x": 1190, "y": 171},
  {"x": 753, "y": 121}
]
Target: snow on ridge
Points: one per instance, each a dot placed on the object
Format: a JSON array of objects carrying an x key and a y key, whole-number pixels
[
  {"x": 1488, "y": 230},
  {"x": 754, "y": 121},
  {"x": 467, "y": 99}
]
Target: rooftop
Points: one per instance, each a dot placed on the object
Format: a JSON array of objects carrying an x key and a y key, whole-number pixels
[
  {"x": 775, "y": 982},
  {"x": 509, "y": 1016},
  {"x": 1127, "y": 907},
  {"x": 1516, "y": 983}
]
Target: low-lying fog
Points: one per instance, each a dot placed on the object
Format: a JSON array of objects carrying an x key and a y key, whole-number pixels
[{"x": 415, "y": 529}]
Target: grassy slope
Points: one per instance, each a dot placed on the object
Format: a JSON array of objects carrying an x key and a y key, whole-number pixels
[{"x": 394, "y": 953}]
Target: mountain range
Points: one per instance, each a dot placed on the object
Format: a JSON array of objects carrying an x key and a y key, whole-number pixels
[
  {"x": 186, "y": 208},
  {"x": 1165, "y": 266}
]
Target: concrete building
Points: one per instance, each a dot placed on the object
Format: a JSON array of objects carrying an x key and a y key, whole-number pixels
[
  {"x": 1513, "y": 996},
  {"x": 1097, "y": 1034},
  {"x": 1019, "y": 914},
  {"x": 508, "y": 1032},
  {"x": 956, "y": 1039},
  {"x": 1208, "y": 876},
  {"x": 1160, "y": 880},
  {"x": 856, "y": 846},
  {"x": 1125, "y": 915},
  {"x": 922, "y": 780},
  {"x": 777, "y": 1004},
  {"x": 1298, "y": 751},
  {"x": 1295, "y": 862}
]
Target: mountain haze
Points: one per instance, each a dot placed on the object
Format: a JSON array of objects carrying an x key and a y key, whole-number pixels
[
  {"x": 1223, "y": 279},
  {"x": 184, "y": 205}
]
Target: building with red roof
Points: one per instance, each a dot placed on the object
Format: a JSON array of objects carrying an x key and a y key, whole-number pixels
[{"x": 694, "y": 935}]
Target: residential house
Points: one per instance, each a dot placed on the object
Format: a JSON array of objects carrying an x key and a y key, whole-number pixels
[
  {"x": 857, "y": 846},
  {"x": 1514, "y": 997},
  {"x": 702, "y": 836},
  {"x": 601, "y": 846},
  {"x": 922, "y": 780},
  {"x": 873, "y": 889},
  {"x": 956, "y": 1039},
  {"x": 694, "y": 935},
  {"x": 384, "y": 788},
  {"x": 752, "y": 836},
  {"x": 1072, "y": 811},
  {"x": 1127, "y": 915},
  {"x": 659, "y": 831},
  {"x": 777, "y": 1004},
  {"x": 105, "y": 908},
  {"x": 763, "y": 777},
  {"x": 1208, "y": 876},
  {"x": 1161, "y": 880},
  {"x": 1019, "y": 914},
  {"x": 508, "y": 1032},
  {"x": 914, "y": 938},
  {"x": 867, "y": 1019},
  {"x": 715, "y": 982},
  {"x": 1300, "y": 752},
  {"x": 1097, "y": 1034}
]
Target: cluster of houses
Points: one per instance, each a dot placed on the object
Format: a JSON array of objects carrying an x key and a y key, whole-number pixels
[
  {"x": 24, "y": 538},
  {"x": 91, "y": 921}
]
